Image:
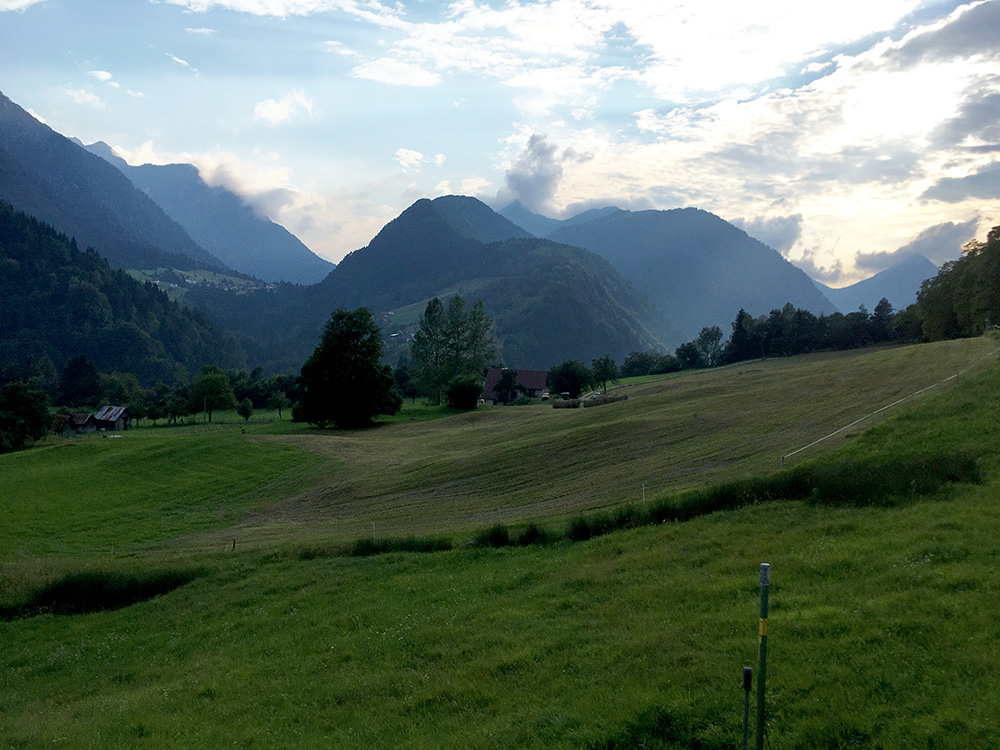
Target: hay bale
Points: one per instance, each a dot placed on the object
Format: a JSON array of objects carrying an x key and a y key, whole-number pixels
[
  {"x": 566, "y": 403},
  {"x": 605, "y": 399}
]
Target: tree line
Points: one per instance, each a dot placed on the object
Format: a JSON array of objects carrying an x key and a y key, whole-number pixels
[{"x": 344, "y": 383}]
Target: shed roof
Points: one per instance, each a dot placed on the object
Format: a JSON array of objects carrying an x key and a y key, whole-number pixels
[{"x": 109, "y": 413}]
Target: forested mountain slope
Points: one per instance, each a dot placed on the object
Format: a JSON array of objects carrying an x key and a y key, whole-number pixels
[{"x": 57, "y": 301}]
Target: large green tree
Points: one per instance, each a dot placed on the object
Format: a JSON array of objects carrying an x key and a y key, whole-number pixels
[
  {"x": 570, "y": 376},
  {"x": 24, "y": 416},
  {"x": 342, "y": 382},
  {"x": 210, "y": 390},
  {"x": 450, "y": 342},
  {"x": 604, "y": 369}
]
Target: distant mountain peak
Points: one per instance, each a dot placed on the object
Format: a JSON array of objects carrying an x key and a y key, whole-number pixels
[
  {"x": 898, "y": 284},
  {"x": 472, "y": 218},
  {"x": 222, "y": 222}
]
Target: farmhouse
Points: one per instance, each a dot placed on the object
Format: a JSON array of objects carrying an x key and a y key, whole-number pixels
[{"x": 533, "y": 382}]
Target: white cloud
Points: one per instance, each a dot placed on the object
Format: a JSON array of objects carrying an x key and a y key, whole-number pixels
[
  {"x": 101, "y": 75},
  {"x": 182, "y": 63},
  {"x": 17, "y": 4},
  {"x": 395, "y": 72},
  {"x": 200, "y": 31},
  {"x": 338, "y": 48},
  {"x": 368, "y": 10},
  {"x": 410, "y": 160},
  {"x": 275, "y": 112},
  {"x": 82, "y": 96}
]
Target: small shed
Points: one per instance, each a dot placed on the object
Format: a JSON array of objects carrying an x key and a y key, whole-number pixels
[
  {"x": 79, "y": 424},
  {"x": 113, "y": 418}
]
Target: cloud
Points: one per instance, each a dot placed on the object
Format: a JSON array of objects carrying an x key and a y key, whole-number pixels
[
  {"x": 534, "y": 177},
  {"x": 369, "y": 10},
  {"x": 976, "y": 124},
  {"x": 410, "y": 160},
  {"x": 275, "y": 112},
  {"x": 101, "y": 75},
  {"x": 778, "y": 232},
  {"x": 182, "y": 63},
  {"x": 395, "y": 72},
  {"x": 200, "y": 32},
  {"x": 982, "y": 183},
  {"x": 82, "y": 96},
  {"x": 826, "y": 274},
  {"x": 17, "y": 4},
  {"x": 969, "y": 31}
]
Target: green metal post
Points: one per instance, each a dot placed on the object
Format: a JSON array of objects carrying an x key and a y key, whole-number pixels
[{"x": 765, "y": 584}]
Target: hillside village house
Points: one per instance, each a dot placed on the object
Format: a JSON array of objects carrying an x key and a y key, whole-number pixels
[{"x": 532, "y": 381}]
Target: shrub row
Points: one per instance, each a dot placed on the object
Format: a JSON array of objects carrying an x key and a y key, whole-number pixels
[
  {"x": 883, "y": 483},
  {"x": 95, "y": 591}
]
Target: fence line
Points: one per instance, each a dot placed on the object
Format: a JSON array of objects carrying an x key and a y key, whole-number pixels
[{"x": 889, "y": 406}]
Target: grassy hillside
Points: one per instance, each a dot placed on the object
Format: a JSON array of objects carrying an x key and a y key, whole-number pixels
[{"x": 882, "y": 625}]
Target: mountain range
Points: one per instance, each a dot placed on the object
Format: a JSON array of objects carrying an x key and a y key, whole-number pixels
[
  {"x": 549, "y": 301},
  {"x": 606, "y": 281},
  {"x": 898, "y": 284},
  {"x": 46, "y": 175},
  {"x": 222, "y": 222},
  {"x": 699, "y": 269}
]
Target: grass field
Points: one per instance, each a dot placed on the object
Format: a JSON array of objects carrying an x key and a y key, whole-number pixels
[{"x": 882, "y": 619}]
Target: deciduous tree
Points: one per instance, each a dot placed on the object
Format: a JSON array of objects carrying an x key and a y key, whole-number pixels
[
  {"x": 342, "y": 381},
  {"x": 604, "y": 369},
  {"x": 24, "y": 416},
  {"x": 570, "y": 376}
]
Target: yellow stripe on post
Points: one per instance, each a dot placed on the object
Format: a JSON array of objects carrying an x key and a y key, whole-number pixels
[{"x": 763, "y": 627}]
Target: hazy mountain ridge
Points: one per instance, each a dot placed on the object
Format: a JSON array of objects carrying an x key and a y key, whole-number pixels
[
  {"x": 48, "y": 176},
  {"x": 548, "y": 301},
  {"x": 898, "y": 284},
  {"x": 697, "y": 268},
  {"x": 222, "y": 223}
]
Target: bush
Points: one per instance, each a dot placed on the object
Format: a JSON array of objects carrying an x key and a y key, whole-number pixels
[
  {"x": 367, "y": 547},
  {"x": 532, "y": 534},
  {"x": 495, "y": 536},
  {"x": 94, "y": 591}
]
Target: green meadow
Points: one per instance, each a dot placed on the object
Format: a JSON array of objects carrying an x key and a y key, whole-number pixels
[{"x": 191, "y": 586}]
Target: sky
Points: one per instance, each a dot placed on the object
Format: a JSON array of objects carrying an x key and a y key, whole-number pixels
[{"x": 845, "y": 135}]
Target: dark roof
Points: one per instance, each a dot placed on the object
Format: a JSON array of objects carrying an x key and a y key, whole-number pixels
[
  {"x": 109, "y": 413},
  {"x": 531, "y": 380},
  {"x": 79, "y": 420}
]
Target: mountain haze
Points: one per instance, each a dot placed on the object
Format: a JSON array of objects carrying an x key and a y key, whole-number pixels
[
  {"x": 548, "y": 301},
  {"x": 48, "y": 176},
  {"x": 697, "y": 268},
  {"x": 898, "y": 284},
  {"x": 221, "y": 222}
]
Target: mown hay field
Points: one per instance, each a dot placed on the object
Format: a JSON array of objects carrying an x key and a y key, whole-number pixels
[{"x": 882, "y": 629}]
